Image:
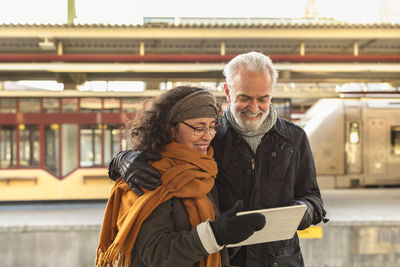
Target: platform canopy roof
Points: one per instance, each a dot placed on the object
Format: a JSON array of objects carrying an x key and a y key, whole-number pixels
[{"x": 304, "y": 50}]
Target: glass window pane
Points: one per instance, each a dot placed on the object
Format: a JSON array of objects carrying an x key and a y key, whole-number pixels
[
  {"x": 51, "y": 148},
  {"x": 8, "y": 146},
  {"x": 89, "y": 105},
  {"x": 90, "y": 145},
  {"x": 111, "y": 142},
  {"x": 29, "y": 105},
  {"x": 354, "y": 133},
  {"x": 51, "y": 105},
  {"x": 111, "y": 105},
  {"x": 8, "y": 105},
  {"x": 395, "y": 139},
  {"x": 69, "y": 148},
  {"x": 69, "y": 105},
  {"x": 29, "y": 145}
]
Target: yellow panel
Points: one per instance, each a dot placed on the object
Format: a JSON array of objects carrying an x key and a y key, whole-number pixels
[
  {"x": 311, "y": 232},
  {"x": 37, "y": 184},
  {"x": 28, "y": 184},
  {"x": 88, "y": 183}
]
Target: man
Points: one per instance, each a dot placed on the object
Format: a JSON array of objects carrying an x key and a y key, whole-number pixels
[{"x": 263, "y": 160}]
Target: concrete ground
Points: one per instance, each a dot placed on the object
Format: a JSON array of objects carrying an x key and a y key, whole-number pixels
[{"x": 364, "y": 230}]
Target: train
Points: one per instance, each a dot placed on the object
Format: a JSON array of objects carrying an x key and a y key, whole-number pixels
[
  {"x": 355, "y": 140},
  {"x": 57, "y": 145}
]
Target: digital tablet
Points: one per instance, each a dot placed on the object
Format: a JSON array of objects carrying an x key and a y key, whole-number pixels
[{"x": 281, "y": 223}]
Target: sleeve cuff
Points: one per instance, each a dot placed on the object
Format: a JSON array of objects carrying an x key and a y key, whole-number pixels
[{"x": 207, "y": 237}]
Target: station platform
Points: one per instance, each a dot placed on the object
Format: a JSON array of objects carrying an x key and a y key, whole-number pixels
[{"x": 364, "y": 230}]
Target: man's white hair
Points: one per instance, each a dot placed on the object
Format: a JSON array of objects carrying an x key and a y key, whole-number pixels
[{"x": 252, "y": 62}]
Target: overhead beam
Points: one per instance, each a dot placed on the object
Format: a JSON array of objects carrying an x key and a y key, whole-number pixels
[
  {"x": 143, "y": 32},
  {"x": 355, "y": 49},
  {"x": 294, "y": 93},
  {"x": 302, "y": 48},
  {"x": 189, "y": 67},
  {"x": 223, "y": 49},
  {"x": 190, "y": 58},
  {"x": 142, "y": 49},
  {"x": 215, "y": 76}
]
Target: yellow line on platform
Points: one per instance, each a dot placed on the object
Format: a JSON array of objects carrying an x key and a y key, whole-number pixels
[{"x": 312, "y": 232}]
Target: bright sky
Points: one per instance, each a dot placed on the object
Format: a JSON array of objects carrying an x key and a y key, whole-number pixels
[{"x": 133, "y": 11}]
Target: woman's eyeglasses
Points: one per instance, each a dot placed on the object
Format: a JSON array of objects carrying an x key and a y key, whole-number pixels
[{"x": 200, "y": 131}]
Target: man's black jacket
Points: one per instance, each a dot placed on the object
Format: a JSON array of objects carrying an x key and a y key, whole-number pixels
[{"x": 280, "y": 172}]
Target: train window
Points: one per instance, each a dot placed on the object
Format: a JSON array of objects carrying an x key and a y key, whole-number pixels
[
  {"x": 29, "y": 145},
  {"x": 89, "y": 105},
  {"x": 69, "y": 105},
  {"x": 90, "y": 136},
  {"x": 131, "y": 105},
  {"x": 69, "y": 150},
  {"x": 8, "y": 105},
  {"x": 29, "y": 105},
  {"x": 395, "y": 140},
  {"x": 8, "y": 146},
  {"x": 51, "y": 148},
  {"x": 354, "y": 133},
  {"x": 111, "y": 105},
  {"x": 111, "y": 142},
  {"x": 51, "y": 105}
]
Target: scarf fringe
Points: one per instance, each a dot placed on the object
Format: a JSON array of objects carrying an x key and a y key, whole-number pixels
[{"x": 111, "y": 255}]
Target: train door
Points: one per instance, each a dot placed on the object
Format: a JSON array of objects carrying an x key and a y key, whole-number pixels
[
  {"x": 394, "y": 159},
  {"x": 353, "y": 142},
  {"x": 393, "y": 170},
  {"x": 376, "y": 146}
]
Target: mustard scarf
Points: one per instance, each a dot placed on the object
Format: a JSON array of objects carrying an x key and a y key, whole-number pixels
[{"x": 186, "y": 174}]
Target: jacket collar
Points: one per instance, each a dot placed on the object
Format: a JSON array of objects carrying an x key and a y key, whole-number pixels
[
  {"x": 224, "y": 126},
  {"x": 281, "y": 128}
]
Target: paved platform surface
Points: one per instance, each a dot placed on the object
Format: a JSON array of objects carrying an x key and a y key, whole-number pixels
[
  {"x": 346, "y": 206},
  {"x": 363, "y": 205},
  {"x": 51, "y": 214},
  {"x": 364, "y": 231}
]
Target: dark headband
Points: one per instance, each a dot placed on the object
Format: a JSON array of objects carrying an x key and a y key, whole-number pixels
[{"x": 200, "y": 104}]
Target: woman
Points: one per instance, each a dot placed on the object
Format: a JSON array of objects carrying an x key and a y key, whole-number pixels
[{"x": 174, "y": 225}]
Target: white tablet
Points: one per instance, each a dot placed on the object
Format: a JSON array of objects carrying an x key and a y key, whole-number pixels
[{"x": 281, "y": 223}]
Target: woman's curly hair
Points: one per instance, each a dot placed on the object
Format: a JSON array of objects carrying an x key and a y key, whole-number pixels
[{"x": 151, "y": 131}]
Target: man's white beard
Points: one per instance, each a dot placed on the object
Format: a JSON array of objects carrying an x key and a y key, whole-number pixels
[{"x": 246, "y": 125}]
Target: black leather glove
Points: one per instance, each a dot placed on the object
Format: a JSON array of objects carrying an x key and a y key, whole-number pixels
[
  {"x": 132, "y": 166},
  {"x": 230, "y": 229},
  {"x": 308, "y": 217}
]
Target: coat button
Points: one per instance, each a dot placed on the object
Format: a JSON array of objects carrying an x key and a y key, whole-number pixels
[
  {"x": 273, "y": 154},
  {"x": 275, "y": 264}
]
